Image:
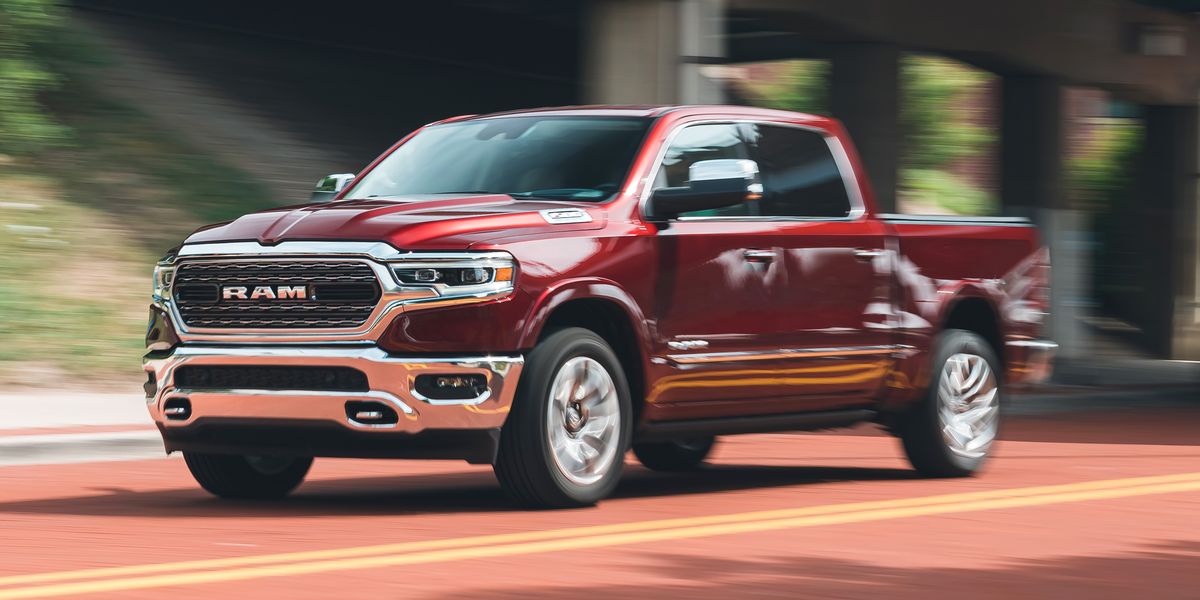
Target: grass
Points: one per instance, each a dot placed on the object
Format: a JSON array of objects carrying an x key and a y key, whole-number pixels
[{"x": 82, "y": 225}]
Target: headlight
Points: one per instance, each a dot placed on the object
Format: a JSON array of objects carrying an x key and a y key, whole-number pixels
[
  {"x": 471, "y": 275},
  {"x": 164, "y": 275}
]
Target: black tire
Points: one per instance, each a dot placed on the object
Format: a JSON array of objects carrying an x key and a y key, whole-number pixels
[
  {"x": 524, "y": 465},
  {"x": 674, "y": 455},
  {"x": 235, "y": 476},
  {"x": 920, "y": 429}
]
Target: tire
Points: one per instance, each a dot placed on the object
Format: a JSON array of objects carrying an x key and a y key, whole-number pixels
[
  {"x": 527, "y": 465},
  {"x": 674, "y": 455},
  {"x": 933, "y": 431},
  {"x": 235, "y": 476}
]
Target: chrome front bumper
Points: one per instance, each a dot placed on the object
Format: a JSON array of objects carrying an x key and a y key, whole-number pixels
[{"x": 390, "y": 381}]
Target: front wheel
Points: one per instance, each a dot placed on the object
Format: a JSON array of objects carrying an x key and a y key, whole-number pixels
[
  {"x": 564, "y": 443},
  {"x": 247, "y": 477},
  {"x": 951, "y": 431}
]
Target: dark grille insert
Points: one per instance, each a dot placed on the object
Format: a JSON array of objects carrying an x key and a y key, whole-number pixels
[
  {"x": 339, "y": 294},
  {"x": 326, "y": 379}
]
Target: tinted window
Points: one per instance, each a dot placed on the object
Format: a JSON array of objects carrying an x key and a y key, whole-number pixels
[
  {"x": 570, "y": 158},
  {"x": 697, "y": 143},
  {"x": 799, "y": 175}
]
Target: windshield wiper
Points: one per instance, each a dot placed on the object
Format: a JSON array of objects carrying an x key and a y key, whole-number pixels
[{"x": 563, "y": 194}]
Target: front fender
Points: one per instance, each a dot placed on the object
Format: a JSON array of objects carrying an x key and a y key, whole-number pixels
[{"x": 589, "y": 288}]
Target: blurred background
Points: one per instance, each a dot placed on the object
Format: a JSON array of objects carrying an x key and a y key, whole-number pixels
[{"x": 125, "y": 124}]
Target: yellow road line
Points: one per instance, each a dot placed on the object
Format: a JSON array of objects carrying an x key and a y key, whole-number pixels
[
  {"x": 300, "y": 563},
  {"x": 528, "y": 536}
]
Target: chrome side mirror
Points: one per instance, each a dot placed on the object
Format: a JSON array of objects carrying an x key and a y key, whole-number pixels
[
  {"x": 330, "y": 186},
  {"x": 711, "y": 184}
]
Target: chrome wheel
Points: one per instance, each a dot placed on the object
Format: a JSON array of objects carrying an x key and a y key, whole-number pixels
[
  {"x": 968, "y": 405},
  {"x": 583, "y": 420}
]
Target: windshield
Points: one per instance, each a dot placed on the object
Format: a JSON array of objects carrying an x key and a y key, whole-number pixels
[{"x": 557, "y": 158}]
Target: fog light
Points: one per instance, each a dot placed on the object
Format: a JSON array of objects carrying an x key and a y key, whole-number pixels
[{"x": 450, "y": 387}]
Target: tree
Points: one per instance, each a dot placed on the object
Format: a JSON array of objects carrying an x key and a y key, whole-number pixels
[{"x": 25, "y": 125}]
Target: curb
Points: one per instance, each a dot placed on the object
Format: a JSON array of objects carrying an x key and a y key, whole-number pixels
[
  {"x": 80, "y": 447},
  {"x": 1091, "y": 398}
]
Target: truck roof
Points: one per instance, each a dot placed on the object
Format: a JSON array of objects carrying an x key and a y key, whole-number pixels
[{"x": 656, "y": 110}]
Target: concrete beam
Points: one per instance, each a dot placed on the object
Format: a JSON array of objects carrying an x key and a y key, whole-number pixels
[{"x": 1082, "y": 42}]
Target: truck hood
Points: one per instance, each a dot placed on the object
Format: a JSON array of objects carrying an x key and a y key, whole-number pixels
[{"x": 429, "y": 222}]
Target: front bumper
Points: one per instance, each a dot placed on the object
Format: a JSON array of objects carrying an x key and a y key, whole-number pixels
[{"x": 318, "y": 423}]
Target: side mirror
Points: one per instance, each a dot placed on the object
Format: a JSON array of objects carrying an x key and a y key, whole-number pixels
[
  {"x": 330, "y": 186},
  {"x": 711, "y": 184}
]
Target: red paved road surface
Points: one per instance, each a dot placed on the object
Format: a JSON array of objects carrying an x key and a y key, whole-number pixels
[{"x": 1141, "y": 540}]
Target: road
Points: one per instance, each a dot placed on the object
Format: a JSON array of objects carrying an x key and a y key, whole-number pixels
[{"x": 1098, "y": 503}]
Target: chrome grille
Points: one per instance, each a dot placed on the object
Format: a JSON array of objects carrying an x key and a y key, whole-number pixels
[{"x": 339, "y": 294}]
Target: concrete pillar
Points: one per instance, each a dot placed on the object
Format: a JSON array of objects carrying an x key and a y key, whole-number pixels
[
  {"x": 652, "y": 51},
  {"x": 1032, "y": 185},
  {"x": 1187, "y": 321},
  {"x": 1031, "y": 144},
  {"x": 1168, "y": 207},
  {"x": 865, "y": 95}
]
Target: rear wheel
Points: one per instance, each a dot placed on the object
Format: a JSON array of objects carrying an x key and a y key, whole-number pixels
[
  {"x": 564, "y": 443},
  {"x": 951, "y": 432},
  {"x": 238, "y": 476},
  {"x": 674, "y": 455}
]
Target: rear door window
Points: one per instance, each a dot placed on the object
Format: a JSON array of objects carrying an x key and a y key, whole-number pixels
[{"x": 799, "y": 174}]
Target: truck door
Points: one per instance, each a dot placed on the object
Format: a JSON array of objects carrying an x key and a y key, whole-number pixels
[
  {"x": 778, "y": 305},
  {"x": 717, "y": 298},
  {"x": 837, "y": 298}
]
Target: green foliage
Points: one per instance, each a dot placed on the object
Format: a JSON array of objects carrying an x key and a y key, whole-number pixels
[
  {"x": 943, "y": 189},
  {"x": 1100, "y": 175},
  {"x": 937, "y": 129},
  {"x": 25, "y": 125},
  {"x": 93, "y": 191},
  {"x": 799, "y": 85}
]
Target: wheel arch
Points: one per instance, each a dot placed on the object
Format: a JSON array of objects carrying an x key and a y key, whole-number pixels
[
  {"x": 606, "y": 309},
  {"x": 972, "y": 309}
]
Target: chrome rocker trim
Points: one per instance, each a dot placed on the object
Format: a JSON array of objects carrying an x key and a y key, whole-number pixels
[{"x": 390, "y": 379}]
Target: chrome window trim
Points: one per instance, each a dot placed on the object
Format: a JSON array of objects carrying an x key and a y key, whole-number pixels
[
  {"x": 379, "y": 256},
  {"x": 841, "y": 158}
]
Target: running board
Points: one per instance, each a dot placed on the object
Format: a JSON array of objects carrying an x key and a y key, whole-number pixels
[{"x": 668, "y": 430}]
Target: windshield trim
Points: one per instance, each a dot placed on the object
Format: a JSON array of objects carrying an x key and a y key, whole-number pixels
[{"x": 648, "y": 123}]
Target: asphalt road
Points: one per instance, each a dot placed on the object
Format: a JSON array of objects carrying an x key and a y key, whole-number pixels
[{"x": 1100, "y": 502}]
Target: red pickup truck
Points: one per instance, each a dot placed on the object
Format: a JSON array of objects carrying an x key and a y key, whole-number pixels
[{"x": 544, "y": 290}]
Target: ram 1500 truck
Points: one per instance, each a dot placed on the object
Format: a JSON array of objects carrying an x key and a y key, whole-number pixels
[{"x": 544, "y": 290}]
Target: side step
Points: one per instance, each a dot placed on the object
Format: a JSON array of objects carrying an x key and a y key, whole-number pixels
[{"x": 667, "y": 430}]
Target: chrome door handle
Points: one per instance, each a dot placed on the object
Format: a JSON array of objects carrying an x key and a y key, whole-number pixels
[
  {"x": 868, "y": 253},
  {"x": 759, "y": 256}
]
